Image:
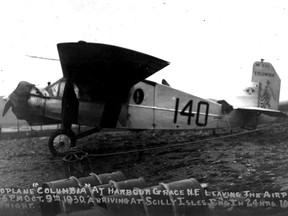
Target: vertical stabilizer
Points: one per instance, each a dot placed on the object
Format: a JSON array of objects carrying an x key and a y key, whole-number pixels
[{"x": 269, "y": 84}]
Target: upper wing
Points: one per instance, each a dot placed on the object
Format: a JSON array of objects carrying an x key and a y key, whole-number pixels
[
  {"x": 92, "y": 63},
  {"x": 105, "y": 73}
]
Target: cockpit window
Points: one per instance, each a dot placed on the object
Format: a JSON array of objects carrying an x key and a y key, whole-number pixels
[
  {"x": 76, "y": 90},
  {"x": 62, "y": 86},
  {"x": 39, "y": 91},
  {"x": 54, "y": 89},
  {"x": 57, "y": 89},
  {"x": 61, "y": 89}
]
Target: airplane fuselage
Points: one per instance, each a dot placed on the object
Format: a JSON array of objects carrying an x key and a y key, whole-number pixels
[
  {"x": 149, "y": 105},
  {"x": 104, "y": 86}
]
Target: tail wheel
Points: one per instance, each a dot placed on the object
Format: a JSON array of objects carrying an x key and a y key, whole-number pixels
[{"x": 61, "y": 141}]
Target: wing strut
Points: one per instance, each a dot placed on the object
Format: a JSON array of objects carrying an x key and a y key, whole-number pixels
[{"x": 70, "y": 106}]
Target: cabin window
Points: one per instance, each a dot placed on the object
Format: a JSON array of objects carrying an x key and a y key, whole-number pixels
[
  {"x": 54, "y": 89},
  {"x": 61, "y": 89},
  {"x": 76, "y": 90},
  {"x": 62, "y": 86}
]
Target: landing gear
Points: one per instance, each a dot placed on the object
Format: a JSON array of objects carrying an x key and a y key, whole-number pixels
[{"x": 61, "y": 141}]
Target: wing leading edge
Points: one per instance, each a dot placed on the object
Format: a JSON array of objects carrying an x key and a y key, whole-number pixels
[{"x": 87, "y": 63}]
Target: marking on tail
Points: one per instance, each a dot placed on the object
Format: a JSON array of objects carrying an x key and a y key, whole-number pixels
[{"x": 269, "y": 84}]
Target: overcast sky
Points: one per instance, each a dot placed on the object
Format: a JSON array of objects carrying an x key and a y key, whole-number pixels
[{"x": 211, "y": 45}]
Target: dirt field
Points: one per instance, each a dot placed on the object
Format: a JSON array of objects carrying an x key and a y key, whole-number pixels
[{"x": 243, "y": 161}]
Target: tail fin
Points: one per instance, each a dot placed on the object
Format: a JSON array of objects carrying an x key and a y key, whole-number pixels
[{"x": 269, "y": 84}]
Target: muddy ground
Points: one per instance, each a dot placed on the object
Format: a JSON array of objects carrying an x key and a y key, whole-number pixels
[{"x": 244, "y": 160}]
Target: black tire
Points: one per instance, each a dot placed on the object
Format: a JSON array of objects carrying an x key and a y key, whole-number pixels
[{"x": 65, "y": 139}]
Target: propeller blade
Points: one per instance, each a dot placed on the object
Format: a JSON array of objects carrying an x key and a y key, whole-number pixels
[{"x": 6, "y": 107}]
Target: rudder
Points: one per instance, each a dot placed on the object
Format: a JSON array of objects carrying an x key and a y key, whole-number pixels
[{"x": 269, "y": 84}]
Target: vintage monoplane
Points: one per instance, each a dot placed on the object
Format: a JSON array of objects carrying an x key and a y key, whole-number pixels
[{"x": 104, "y": 86}]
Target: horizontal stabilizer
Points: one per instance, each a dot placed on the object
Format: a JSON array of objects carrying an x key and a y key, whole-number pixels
[{"x": 269, "y": 112}]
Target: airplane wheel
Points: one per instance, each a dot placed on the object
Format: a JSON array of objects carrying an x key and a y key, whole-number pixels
[{"x": 61, "y": 141}]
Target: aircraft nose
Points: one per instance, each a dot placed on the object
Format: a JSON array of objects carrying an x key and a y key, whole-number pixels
[{"x": 18, "y": 98}]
